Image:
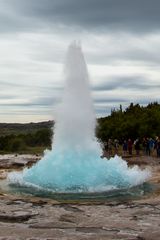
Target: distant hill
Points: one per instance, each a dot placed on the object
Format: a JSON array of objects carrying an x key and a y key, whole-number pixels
[
  {"x": 23, "y": 128},
  {"x": 134, "y": 122}
]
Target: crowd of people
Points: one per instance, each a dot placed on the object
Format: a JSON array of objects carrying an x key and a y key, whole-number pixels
[{"x": 146, "y": 146}]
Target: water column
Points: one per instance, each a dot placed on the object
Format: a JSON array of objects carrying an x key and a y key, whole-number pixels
[{"x": 74, "y": 163}]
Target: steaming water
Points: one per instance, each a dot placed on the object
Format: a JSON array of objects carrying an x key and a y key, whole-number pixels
[{"x": 74, "y": 163}]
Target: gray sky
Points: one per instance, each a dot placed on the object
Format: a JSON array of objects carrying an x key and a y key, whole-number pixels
[{"x": 120, "y": 41}]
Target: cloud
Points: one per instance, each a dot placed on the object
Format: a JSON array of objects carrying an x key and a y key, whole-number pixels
[
  {"x": 107, "y": 100},
  {"x": 126, "y": 82},
  {"x": 123, "y": 48},
  {"x": 38, "y": 101},
  {"x": 121, "y": 43},
  {"x": 5, "y": 96},
  {"x": 142, "y": 16}
]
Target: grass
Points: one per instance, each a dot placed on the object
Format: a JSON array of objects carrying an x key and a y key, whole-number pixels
[{"x": 27, "y": 150}]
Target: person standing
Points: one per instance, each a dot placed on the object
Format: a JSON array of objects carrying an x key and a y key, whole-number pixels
[
  {"x": 110, "y": 145},
  {"x": 137, "y": 146},
  {"x": 144, "y": 145},
  {"x": 148, "y": 153},
  {"x": 157, "y": 146},
  {"x": 125, "y": 147},
  {"x": 130, "y": 146},
  {"x": 151, "y": 146},
  {"x": 116, "y": 146}
]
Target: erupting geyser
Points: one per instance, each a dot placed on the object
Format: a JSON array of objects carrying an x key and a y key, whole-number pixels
[{"x": 74, "y": 163}]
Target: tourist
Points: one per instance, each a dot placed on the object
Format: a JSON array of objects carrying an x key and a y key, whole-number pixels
[
  {"x": 144, "y": 144},
  {"x": 157, "y": 146},
  {"x": 116, "y": 146},
  {"x": 130, "y": 146},
  {"x": 151, "y": 145},
  {"x": 125, "y": 147},
  {"x": 148, "y": 153},
  {"x": 105, "y": 149},
  {"x": 110, "y": 145},
  {"x": 137, "y": 146}
]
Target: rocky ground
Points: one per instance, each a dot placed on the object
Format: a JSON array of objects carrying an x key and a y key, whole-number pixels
[{"x": 26, "y": 217}]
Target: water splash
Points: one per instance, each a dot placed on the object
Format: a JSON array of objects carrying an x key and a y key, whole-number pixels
[{"x": 74, "y": 163}]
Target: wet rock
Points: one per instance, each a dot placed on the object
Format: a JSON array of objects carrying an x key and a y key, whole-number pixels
[
  {"x": 39, "y": 202},
  {"x": 67, "y": 218},
  {"x": 17, "y": 216},
  {"x": 52, "y": 225},
  {"x": 10, "y": 238},
  {"x": 72, "y": 208},
  {"x": 18, "y": 164},
  {"x": 97, "y": 230},
  {"x": 42, "y": 239},
  {"x": 140, "y": 238},
  {"x": 3, "y": 174},
  {"x": 10, "y": 161}
]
